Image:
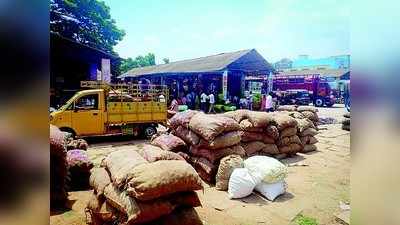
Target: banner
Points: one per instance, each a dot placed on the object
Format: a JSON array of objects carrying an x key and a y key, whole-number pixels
[{"x": 225, "y": 84}]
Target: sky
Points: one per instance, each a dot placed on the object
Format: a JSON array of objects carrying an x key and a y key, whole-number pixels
[{"x": 185, "y": 29}]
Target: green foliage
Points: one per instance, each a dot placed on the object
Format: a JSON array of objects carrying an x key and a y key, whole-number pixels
[
  {"x": 220, "y": 98},
  {"x": 86, "y": 21},
  {"x": 166, "y": 60},
  {"x": 305, "y": 220},
  {"x": 139, "y": 61},
  {"x": 257, "y": 98}
]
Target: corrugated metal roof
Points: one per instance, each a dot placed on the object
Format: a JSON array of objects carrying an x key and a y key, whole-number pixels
[
  {"x": 321, "y": 72},
  {"x": 203, "y": 64}
]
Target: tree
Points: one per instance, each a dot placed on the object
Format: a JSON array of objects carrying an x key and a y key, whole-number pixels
[
  {"x": 85, "y": 21},
  {"x": 139, "y": 61},
  {"x": 166, "y": 60}
]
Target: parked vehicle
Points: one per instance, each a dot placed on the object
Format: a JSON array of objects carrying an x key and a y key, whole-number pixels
[
  {"x": 321, "y": 92},
  {"x": 113, "y": 109},
  {"x": 294, "y": 97}
]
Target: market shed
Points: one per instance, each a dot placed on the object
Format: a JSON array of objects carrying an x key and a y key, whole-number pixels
[{"x": 222, "y": 73}]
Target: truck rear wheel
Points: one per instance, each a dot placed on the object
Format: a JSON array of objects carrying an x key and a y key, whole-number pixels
[
  {"x": 149, "y": 131},
  {"x": 319, "y": 102}
]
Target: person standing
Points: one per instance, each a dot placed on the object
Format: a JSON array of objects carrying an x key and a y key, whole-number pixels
[
  {"x": 174, "y": 105},
  {"x": 269, "y": 103},
  {"x": 203, "y": 102},
  {"x": 250, "y": 101},
  {"x": 212, "y": 102}
]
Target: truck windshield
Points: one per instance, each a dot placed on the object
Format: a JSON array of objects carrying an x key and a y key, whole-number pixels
[{"x": 69, "y": 102}]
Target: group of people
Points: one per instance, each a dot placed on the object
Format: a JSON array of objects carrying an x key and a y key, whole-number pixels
[{"x": 207, "y": 102}]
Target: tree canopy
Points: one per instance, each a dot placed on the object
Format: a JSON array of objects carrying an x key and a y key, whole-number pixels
[
  {"x": 166, "y": 60},
  {"x": 85, "y": 21},
  {"x": 139, "y": 61}
]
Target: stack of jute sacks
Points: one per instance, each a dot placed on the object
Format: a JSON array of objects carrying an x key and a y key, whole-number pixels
[
  {"x": 346, "y": 122},
  {"x": 134, "y": 187},
  {"x": 306, "y": 128},
  {"x": 58, "y": 168},
  {"x": 288, "y": 142},
  {"x": 79, "y": 167},
  {"x": 309, "y": 112},
  {"x": 259, "y": 133},
  {"x": 209, "y": 138}
]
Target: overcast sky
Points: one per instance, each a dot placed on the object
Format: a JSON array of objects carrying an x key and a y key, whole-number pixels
[{"x": 184, "y": 29}]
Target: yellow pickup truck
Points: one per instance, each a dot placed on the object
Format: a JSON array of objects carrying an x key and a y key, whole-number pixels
[{"x": 105, "y": 109}]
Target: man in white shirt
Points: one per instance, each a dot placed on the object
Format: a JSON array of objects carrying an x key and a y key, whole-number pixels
[
  {"x": 212, "y": 102},
  {"x": 203, "y": 102},
  {"x": 269, "y": 103}
]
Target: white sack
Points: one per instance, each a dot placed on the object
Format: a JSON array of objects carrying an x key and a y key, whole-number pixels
[
  {"x": 271, "y": 191},
  {"x": 241, "y": 183},
  {"x": 266, "y": 169}
]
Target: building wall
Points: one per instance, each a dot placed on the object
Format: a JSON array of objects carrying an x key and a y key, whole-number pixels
[{"x": 332, "y": 62}]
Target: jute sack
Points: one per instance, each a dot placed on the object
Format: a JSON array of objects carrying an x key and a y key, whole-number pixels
[
  {"x": 57, "y": 141},
  {"x": 225, "y": 169},
  {"x": 246, "y": 125},
  {"x": 156, "y": 179},
  {"x": 307, "y": 108},
  {"x": 238, "y": 115},
  {"x": 270, "y": 149},
  {"x": 120, "y": 163},
  {"x": 260, "y": 119},
  {"x": 308, "y": 140},
  {"x": 287, "y": 132},
  {"x": 290, "y": 149},
  {"x": 252, "y": 147},
  {"x": 186, "y": 135},
  {"x": 135, "y": 212},
  {"x": 309, "y": 148},
  {"x": 286, "y": 108},
  {"x": 204, "y": 168},
  {"x": 346, "y": 121},
  {"x": 100, "y": 209},
  {"x": 153, "y": 153},
  {"x": 255, "y": 136},
  {"x": 311, "y": 115},
  {"x": 309, "y": 132},
  {"x": 204, "y": 164},
  {"x": 210, "y": 126},
  {"x": 303, "y": 124},
  {"x": 180, "y": 216},
  {"x": 272, "y": 131},
  {"x": 296, "y": 115},
  {"x": 221, "y": 141},
  {"x": 99, "y": 179},
  {"x": 289, "y": 140},
  {"x": 182, "y": 119},
  {"x": 169, "y": 142},
  {"x": 214, "y": 155},
  {"x": 283, "y": 121}
]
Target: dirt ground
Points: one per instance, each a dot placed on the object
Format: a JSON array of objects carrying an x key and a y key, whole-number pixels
[{"x": 317, "y": 183}]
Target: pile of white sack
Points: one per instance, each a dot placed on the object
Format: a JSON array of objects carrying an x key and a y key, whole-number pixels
[{"x": 263, "y": 174}]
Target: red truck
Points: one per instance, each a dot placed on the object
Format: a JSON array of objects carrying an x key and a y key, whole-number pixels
[{"x": 318, "y": 87}]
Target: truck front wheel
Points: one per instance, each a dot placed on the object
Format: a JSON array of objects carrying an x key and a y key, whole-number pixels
[
  {"x": 149, "y": 131},
  {"x": 319, "y": 102}
]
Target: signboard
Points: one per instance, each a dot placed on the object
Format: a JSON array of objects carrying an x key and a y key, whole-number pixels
[
  {"x": 225, "y": 84},
  {"x": 105, "y": 70}
]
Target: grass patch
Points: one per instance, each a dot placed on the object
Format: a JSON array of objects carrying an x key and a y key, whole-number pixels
[{"x": 305, "y": 220}]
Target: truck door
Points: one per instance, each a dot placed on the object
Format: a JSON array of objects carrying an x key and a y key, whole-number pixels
[{"x": 87, "y": 117}]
